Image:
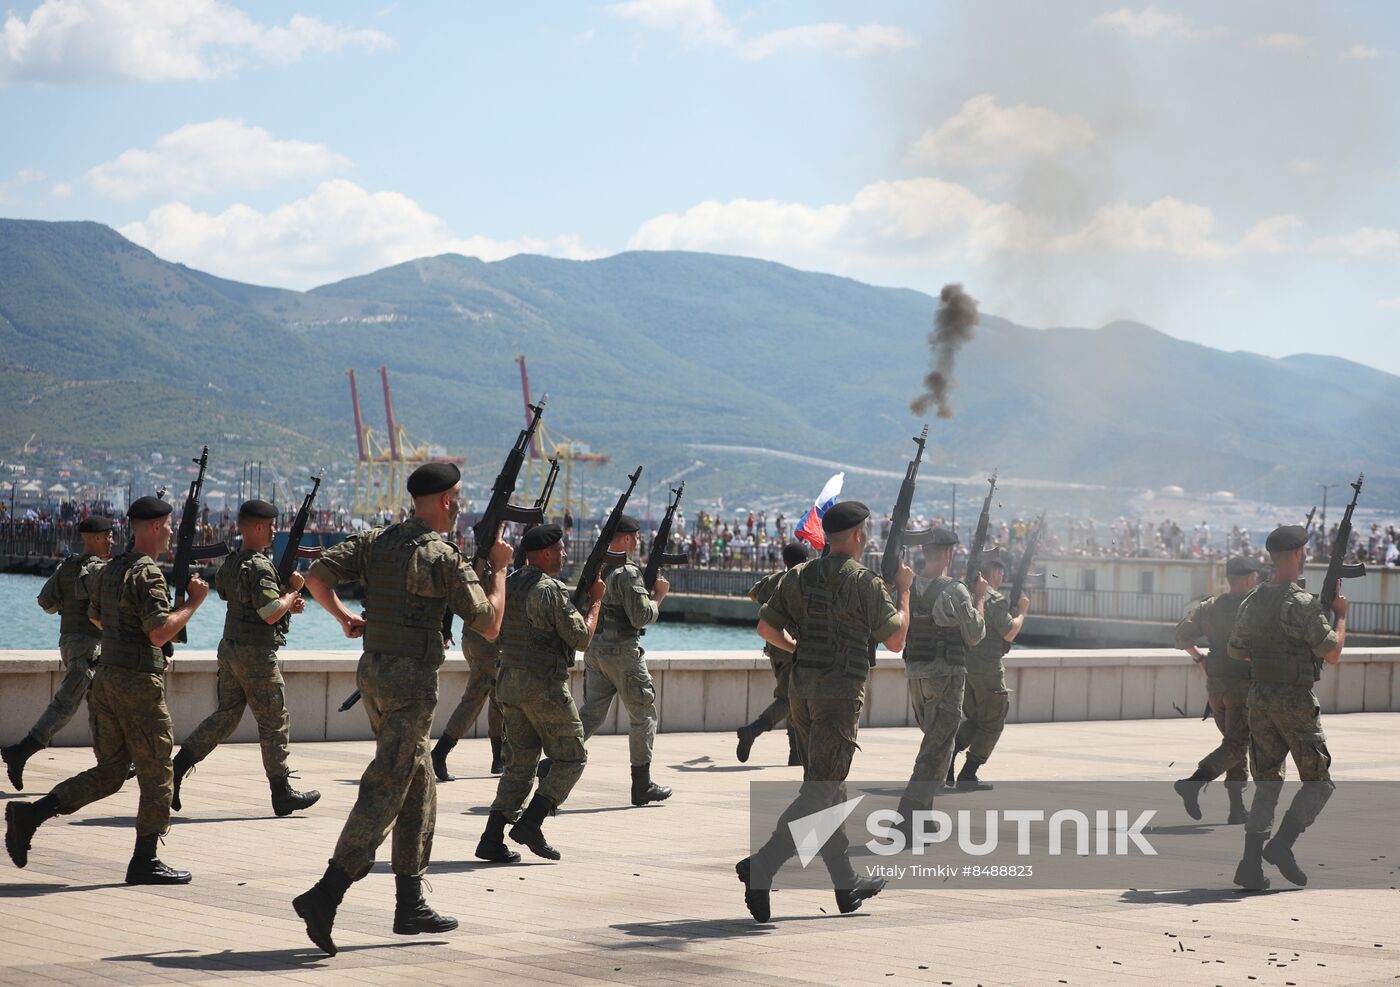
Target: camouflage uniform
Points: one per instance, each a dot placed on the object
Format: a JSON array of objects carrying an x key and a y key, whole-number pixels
[
  {"x": 841, "y": 610},
  {"x": 126, "y": 704},
  {"x": 943, "y": 625},
  {"x": 1227, "y": 685},
  {"x": 540, "y": 632},
  {"x": 482, "y": 657},
  {"x": 411, "y": 576},
  {"x": 781, "y": 660},
  {"x": 248, "y": 670},
  {"x": 613, "y": 664},
  {"x": 68, "y": 593},
  {"x": 1284, "y": 632},
  {"x": 986, "y": 699}
]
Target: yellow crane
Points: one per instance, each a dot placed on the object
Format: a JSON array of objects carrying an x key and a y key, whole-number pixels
[
  {"x": 546, "y": 446},
  {"x": 381, "y": 473}
]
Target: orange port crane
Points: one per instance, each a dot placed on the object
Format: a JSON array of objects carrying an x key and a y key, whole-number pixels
[{"x": 381, "y": 473}]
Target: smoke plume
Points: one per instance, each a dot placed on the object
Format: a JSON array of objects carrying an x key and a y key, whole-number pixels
[{"x": 952, "y": 326}]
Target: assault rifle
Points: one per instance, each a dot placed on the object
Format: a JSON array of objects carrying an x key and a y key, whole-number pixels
[
  {"x": 659, "y": 556},
  {"x": 541, "y": 504},
  {"x": 979, "y": 538},
  {"x": 293, "y": 550},
  {"x": 899, "y": 518},
  {"x": 1023, "y": 567},
  {"x": 186, "y": 551},
  {"x": 1337, "y": 567},
  {"x": 601, "y": 555}
]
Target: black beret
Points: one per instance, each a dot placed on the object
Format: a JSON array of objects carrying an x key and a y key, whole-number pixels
[
  {"x": 148, "y": 508},
  {"x": 934, "y": 537},
  {"x": 844, "y": 516},
  {"x": 260, "y": 509},
  {"x": 433, "y": 478},
  {"x": 93, "y": 524},
  {"x": 541, "y": 536},
  {"x": 1286, "y": 537},
  {"x": 1241, "y": 565},
  {"x": 627, "y": 524},
  {"x": 994, "y": 556},
  {"x": 795, "y": 553}
]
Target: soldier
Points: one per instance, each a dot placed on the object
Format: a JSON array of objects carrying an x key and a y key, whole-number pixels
[
  {"x": 126, "y": 704},
  {"x": 67, "y": 593},
  {"x": 1227, "y": 686},
  {"x": 1283, "y": 632},
  {"x": 945, "y": 622},
  {"x": 411, "y": 575},
  {"x": 481, "y": 656},
  {"x": 539, "y": 636},
  {"x": 794, "y": 554},
  {"x": 840, "y": 609},
  {"x": 986, "y": 699},
  {"x": 614, "y": 663},
  {"x": 259, "y": 613}
]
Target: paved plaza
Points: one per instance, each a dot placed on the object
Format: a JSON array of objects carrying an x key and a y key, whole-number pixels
[{"x": 649, "y": 895}]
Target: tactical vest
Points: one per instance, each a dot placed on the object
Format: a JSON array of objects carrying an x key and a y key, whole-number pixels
[
  {"x": 926, "y": 641},
  {"x": 770, "y": 585},
  {"x": 614, "y": 625},
  {"x": 1219, "y": 626},
  {"x": 987, "y": 653},
  {"x": 73, "y": 613},
  {"x": 1275, "y": 657},
  {"x": 125, "y": 644},
  {"x": 398, "y": 622},
  {"x": 242, "y": 625},
  {"x": 830, "y": 638},
  {"x": 523, "y": 645}
]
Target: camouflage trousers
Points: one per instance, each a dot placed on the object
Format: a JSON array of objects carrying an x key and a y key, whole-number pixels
[
  {"x": 777, "y": 710},
  {"x": 1284, "y": 720},
  {"x": 826, "y": 734},
  {"x": 79, "y": 653},
  {"x": 397, "y": 790},
  {"x": 1229, "y": 705},
  {"x": 480, "y": 691},
  {"x": 620, "y": 670},
  {"x": 130, "y": 726},
  {"x": 540, "y": 716},
  {"x": 248, "y": 677},
  {"x": 937, "y": 700},
  {"x": 986, "y": 701}
]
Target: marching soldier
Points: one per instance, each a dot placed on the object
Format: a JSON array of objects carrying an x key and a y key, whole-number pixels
[
  {"x": 411, "y": 575},
  {"x": 255, "y": 626},
  {"x": 840, "y": 610},
  {"x": 126, "y": 702},
  {"x": 794, "y": 554},
  {"x": 1227, "y": 688},
  {"x": 539, "y": 635},
  {"x": 482, "y": 656},
  {"x": 1283, "y": 632},
  {"x": 986, "y": 699},
  {"x": 67, "y": 593}
]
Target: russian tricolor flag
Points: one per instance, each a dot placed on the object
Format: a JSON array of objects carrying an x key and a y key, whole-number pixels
[{"x": 809, "y": 529}]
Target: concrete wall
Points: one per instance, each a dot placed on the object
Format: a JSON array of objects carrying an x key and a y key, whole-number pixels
[{"x": 699, "y": 691}]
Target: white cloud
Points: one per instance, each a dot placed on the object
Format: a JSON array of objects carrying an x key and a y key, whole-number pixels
[
  {"x": 75, "y": 41},
  {"x": 1281, "y": 39},
  {"x": 701, "y": 22},
  {"x": 1361, "y": 53},
  {"x": 1359, "y": 243},
  {"x": 23, "y": 177},
  {"x": 61, "y": 190},
  {"x": 339, "y": 230},
  {"x": 1390, "y": 303},
  {"x": 1149, "y": 22},
  {"x": 983, "y": 133},
  {"x": 1170, "y": 226},
  {"x": 204, "y": 157},
  {"x": 1304, "y": 166}
]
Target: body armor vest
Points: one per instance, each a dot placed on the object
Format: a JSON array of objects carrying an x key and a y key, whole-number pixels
[
  {"x": 830, "y": 638},
  {"x": 399, "y": 622},
  {"x": 523, "y": 645},
  {"x": 125, "y": 644},
  {"x": 242, "y": 625},
  {"x": 1275, "y": 657},
  {"x": 73, "y": 613},
  {"x": 1219, "y": 626},
  {"x": 616, "y": 626},
  {"x": 926, "y": 640}
]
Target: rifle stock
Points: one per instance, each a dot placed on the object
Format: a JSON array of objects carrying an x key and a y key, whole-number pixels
[{"x": 899, "y": 517}]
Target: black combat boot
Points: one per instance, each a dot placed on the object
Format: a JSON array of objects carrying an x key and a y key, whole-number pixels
[
  {"x": 317, "y": 907},
  {"x": 527, "y": 831},
  {"x": 644, "y": 790},
  {"x": 440, "y": 751},
  {"x": 21, "y": 820},
  {"x": 286, "y": 799},
  {"x": 14, "y": 757},
  {"x": 146, "y": 868},
  {"x": 1279, "y": 850},
  {"x": 184, "y": 764},
  {"x": 412, "y": 914},
  {"x": 1190, "y": 791},
  {"x": 950, "y": 781},
  {"x": 967, "y": 777},
  {"x": 747, "y": 735},
  {"x": 794, "y": 750},
  {"x": 849, "y": 899},
  {"x": 492, "y": 845},
  {"x": 756, "y": 900},
  {"x": 1250, "y": 873},
  {"x": 497, "y": 764},
  {"x": 1238, "y": 813}
]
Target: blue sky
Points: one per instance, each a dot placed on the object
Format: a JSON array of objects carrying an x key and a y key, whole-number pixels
[{"x": 1227, "y": 173}]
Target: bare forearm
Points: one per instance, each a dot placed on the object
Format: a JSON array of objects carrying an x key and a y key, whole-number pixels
[
  {"x": 895, "y": 642},
  {"x": 1335, "y": 655},
  {"x": 329, "y": 600},
  {"x": 175, "y": 622},
  {"x": 1016, "y": 625},
  {"x": 776, "y": 636},
  {"x": 496, "y": 596},
  {"x": 592, "y": 622},
  {"x": 284, "y": 603}
]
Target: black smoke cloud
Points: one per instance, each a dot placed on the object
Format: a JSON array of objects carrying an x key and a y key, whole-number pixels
[{"x": 952, "y": 327}]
